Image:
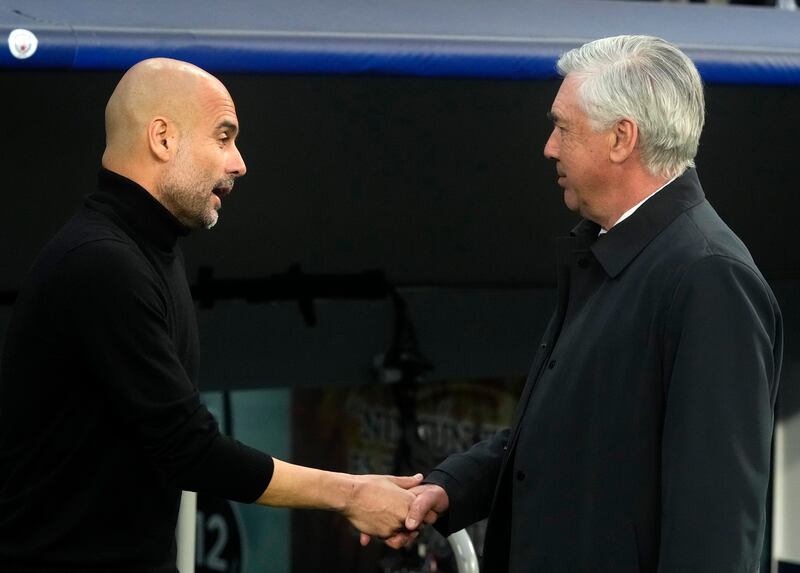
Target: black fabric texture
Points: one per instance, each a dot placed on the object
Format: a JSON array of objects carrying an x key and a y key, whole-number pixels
[
  {"x": 641, "y": 443},
  {"x": 101, "y": 423}
]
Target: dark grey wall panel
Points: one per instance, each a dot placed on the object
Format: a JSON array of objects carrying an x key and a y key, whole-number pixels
[{"x": 435, "y": 181}]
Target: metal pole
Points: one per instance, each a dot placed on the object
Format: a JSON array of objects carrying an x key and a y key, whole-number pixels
[
  {"x": 466, "y": 559},
  {"x": 185, "y": 534}
]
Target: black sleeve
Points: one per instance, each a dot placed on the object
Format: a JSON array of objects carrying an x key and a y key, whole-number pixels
[
  {"x": 469, "y": 479},
  {"x": 112, "y": 305},
  {"x": 723, "y": 341}
]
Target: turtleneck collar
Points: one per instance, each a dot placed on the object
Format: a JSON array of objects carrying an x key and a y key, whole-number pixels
[{"x": 136, "y": 209}]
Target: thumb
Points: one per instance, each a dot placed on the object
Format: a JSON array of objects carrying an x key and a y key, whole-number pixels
[
  {"x": 406, "y": 482},
  {"x": 420, "y": 507},
  {"x": 365, "y": 539}
]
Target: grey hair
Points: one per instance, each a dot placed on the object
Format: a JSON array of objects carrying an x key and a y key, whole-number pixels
[{"x": 647, "y": 80}]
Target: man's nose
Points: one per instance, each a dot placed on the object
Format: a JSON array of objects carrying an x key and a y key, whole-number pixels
[
  {"x": 237, "y": 167},
  {"x": 550, "y": 147}
]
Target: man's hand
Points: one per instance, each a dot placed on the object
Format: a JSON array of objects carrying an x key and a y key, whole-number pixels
[
  {"x": 430, "y": 501},
  {"x": 379, "y": 505}
]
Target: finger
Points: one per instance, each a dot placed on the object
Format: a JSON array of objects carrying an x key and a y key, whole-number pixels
[
  {"x": 431, "y": 517},
  {"x": 406, "y": 482},
  {"x": 401, "y": 540},
  {"x": 365, "y": 539}
]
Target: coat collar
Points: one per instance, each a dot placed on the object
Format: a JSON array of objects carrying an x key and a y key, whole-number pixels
[{"x": 616, "y": 249}]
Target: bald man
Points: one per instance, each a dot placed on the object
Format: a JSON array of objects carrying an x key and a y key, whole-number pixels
[{"x": 101, "y": 424}]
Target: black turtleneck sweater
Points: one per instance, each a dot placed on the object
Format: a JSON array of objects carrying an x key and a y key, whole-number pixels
[{"x": 101, "y": 423}]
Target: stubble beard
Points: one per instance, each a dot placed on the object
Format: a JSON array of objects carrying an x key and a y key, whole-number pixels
[{"x": 186, "y": 197}]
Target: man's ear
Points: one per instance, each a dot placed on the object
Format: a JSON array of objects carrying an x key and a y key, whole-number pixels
[
  {"x": 624, "y": 137},
  {"x": 161, "y": 139}
]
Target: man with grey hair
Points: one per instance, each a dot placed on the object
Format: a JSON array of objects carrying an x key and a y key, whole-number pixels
[{"x": 642, "y": 438}]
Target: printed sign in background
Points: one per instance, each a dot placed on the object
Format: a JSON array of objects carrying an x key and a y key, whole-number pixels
[
  {"x": 359, "y": 429},
  {"x": 219, "y": 536}
]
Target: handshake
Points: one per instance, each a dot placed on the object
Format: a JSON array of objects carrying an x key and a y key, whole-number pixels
[{"x": 393, "y": 508}]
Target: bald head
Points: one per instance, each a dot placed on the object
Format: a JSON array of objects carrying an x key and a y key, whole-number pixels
[
  {"x": 152, "y": 88},
  {"x": 166, "y": 120}
]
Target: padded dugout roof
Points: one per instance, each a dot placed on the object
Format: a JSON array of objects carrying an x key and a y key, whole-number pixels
[{"x": 518, "y": 39}]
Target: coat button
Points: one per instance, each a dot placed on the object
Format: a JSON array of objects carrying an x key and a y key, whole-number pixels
[
  {"x": 520, "y": 475},
  {"x": 552, "y": 364},
  {"x": 583, "y": 262}
]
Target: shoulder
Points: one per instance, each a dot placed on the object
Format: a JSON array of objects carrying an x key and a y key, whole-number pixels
[
  {"x": 699, "y": 239},
  {"x": 91, "y": 255},
  {"x": 702, "y": 260},
  {"x": 722, "y": 268},
  {"x": 727, "y": 291},
  {"x": 712, "y": 236}
]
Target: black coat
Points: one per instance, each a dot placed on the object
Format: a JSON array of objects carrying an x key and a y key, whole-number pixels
[{"x": 642, "y": 438}]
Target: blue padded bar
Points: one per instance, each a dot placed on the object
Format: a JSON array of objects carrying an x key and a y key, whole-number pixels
[
  {"x": 515, "y": 39},
  {"x": 324, "y": 56}
]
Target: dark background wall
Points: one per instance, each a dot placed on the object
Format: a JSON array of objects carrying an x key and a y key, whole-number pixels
[
  {"x": 435, "y": 181},
  {"x": 440, "y": 183}
]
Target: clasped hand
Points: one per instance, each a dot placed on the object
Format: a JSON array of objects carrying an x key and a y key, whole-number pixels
[{"x": 393, "y": 508}]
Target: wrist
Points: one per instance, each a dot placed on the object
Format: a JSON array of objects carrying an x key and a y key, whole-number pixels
[{"x": 340, "y": 490}]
